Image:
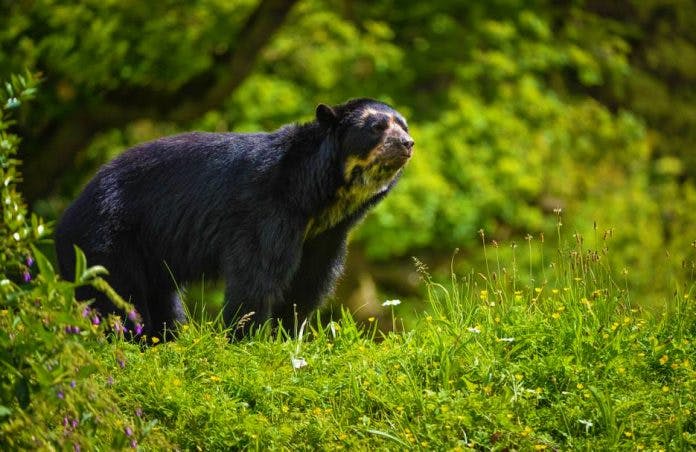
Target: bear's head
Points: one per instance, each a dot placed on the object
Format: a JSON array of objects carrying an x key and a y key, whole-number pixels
[{"x": 372, "y": 138}]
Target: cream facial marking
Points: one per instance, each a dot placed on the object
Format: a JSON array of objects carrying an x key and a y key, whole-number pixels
[
  {"x": 348, "y": 199},
  {"x": 360, "y": 162},
  {"x": 365, "y": 178}
]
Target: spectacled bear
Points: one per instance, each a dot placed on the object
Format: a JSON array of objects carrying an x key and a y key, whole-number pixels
[{"x": 268, "y": 212}]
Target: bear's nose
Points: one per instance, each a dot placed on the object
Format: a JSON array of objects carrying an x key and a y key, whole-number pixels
[{"x": 408, "y": 143}]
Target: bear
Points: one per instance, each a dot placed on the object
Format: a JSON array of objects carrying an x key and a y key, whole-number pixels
[{"x": 269, "y": 213}]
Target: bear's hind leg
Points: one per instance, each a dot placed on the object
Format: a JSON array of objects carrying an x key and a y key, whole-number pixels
[
  {"x": 166, "y": 308},
  {"x": 167, "y": 311}
]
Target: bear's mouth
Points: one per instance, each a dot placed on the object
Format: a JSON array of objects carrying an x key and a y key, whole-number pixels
[
  {"x": 378, "y": 170},
  {"x": 394, "y": 157},
  {"x": 380, "y": 165}
]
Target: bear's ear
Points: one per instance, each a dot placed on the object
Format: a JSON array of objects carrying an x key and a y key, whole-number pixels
[{"x": 326, "y": 115}]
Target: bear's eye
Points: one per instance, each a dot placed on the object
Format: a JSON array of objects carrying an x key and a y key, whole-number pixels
[{"x": 380, "y": 126}]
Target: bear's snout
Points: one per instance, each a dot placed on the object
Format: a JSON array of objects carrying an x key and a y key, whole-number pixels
[
  {"x": 407, "y": 142},
  {"x": 398, "y": 147}
]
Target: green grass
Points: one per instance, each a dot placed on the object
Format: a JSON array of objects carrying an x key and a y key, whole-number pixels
[
  {"x": 562, "y": 359},
  {"x": 492, "y": 365}
]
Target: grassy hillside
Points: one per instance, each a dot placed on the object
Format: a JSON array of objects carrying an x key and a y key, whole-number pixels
[{"x": 494, "y": 363}]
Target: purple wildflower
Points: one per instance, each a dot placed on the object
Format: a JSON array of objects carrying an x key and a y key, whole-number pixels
[
  {"x": 73, "y": 384},
  {"x": 60, "y": 394},
  {"x": 110, "y": 381},
  {"x": 29, "y": 261},
  {"x": 85, "y": 312},
  {"x": 133, "y": 444},
  {"x": 74, "y": 423},
  {"x": 121, "y": 363},
  {"x": 133, "y": 315},
  {"x": 66, "y": 421},
  {"x": 75, "y": 329},
  {"x": 96, "y": 320},
  {"x": 138, "y": 329},
  {"x": 76, "y": 447},
  {"x": 128, "y": 431},
  {"x": 139, "y": 412},
  {"x": 26, "y": 276}
]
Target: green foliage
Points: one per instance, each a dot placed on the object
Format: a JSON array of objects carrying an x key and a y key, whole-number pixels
[
  {"x": 517, "y": 107},
  {"x": 14, "y": 229},
  {"x": 51, "y": 386},
  {"x": 121, "y": 41}
]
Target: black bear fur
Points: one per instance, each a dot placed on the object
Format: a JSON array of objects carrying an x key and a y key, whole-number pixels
[{"x": 268, "y": 212}]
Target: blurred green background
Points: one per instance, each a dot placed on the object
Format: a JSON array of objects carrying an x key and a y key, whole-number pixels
[{"x": 518, "y": 108}]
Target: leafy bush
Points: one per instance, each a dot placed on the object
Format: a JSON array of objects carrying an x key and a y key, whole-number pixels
[
  {"x": 53, "y": 392},
  {"x": 510, "y": 146}
]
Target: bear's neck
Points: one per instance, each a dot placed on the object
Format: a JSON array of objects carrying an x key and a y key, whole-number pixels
[{"x": 313, "y": 169}]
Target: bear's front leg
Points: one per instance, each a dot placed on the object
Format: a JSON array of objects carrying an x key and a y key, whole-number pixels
[
  {"x": 321, "y": 263},
  {"x": 258, "y": 270},
  {"x": 250, "y": 303}
]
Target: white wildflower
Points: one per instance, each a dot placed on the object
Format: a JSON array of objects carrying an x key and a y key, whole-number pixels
[
  {"x": 333, "y": 326},
  {"x": 391, "y": 303},
  {"x": 587, "y": 424},
  {"x": 298, "y": 363},
  {"x": 473, "y": 329}
]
